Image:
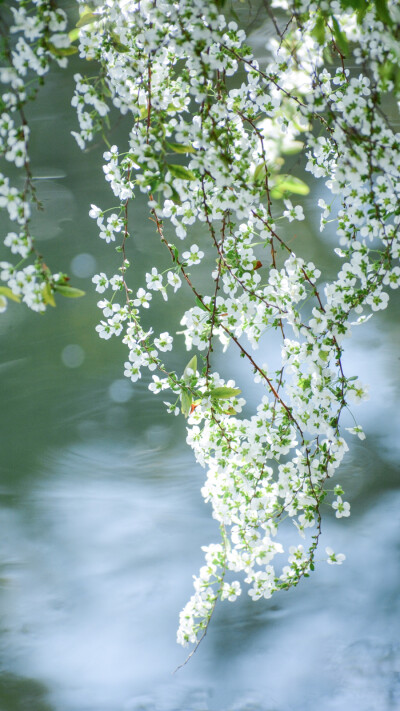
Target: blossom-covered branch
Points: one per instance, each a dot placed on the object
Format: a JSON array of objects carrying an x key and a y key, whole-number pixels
[{"x": 209, "y": 130}]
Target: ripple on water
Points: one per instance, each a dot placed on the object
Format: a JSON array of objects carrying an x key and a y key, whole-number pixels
[{"x": 97, "y": 561}]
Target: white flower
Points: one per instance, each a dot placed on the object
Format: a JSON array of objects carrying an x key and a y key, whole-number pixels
[
  {"x": 142, "y": 298},
  {"x": 174, "y": 280},
  {"x": 357, "y": 431},
  {"x": 342, "y": 507},
  {"x": 172, "y": 409},
  {"x": 108, "y": 308},
  {"x": 132, "y": 371},
  {"x": 230, "y": 591},
  {"x": 334, "y": 558},
  {"x": 194, "y": 256},
  {"x": 154, "y": 280},
  {"x": 101, "y": 282},
  {"x": 158, "y": 384},
  {"x": 357, "y": 393},
  {"x": 164, "y": 343},
  {"x": 104, "y": 330},
  {"x": 95, "y": 212},
  {"x": 112, "y": 154},
  {"x": 293, "y": 213},
  {"x": 117, "y": 282}
]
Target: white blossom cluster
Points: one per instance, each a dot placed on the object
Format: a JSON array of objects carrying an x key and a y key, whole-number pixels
[
  {"x": 168, "y": 64},
  {"x": 209, "y": 131},
  {"x": 40, "y": 37}
]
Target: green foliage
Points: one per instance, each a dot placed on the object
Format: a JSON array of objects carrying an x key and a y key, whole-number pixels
[
  {"x": 62, "y": 51},
  {"x": 340, "y": 38},
  {"x": 180, "y": 172},
  {"x": 179, "y": 148},
  {"x": 6, "y": 291},
  {"x": 223, "y": 393},
  {"x": 284, "y": 184},
  {"x": 69, "y": 291}
]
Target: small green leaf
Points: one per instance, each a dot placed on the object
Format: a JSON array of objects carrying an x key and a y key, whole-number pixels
[
  {"x": 383, "y": 12},
  {"x": 201, "y": 305},
  {"x": 327, "y": 55},
  {"x": 117, "y": 44},
  {"x": 179, "y": 148},
  {"x": 259, "y": 173},
  {"x": 354, "y": 4},
  {"x": 179, "y": 171},
  {"x": 73, "y": 35},
  {"x": 68, "y": 291},
  {"x": 174, "y": 251},
  {"x": 362, "y": 10},
  {"x": 319, "y": 30},
  {"x": 288, "y": 184},
  {"x": 48, "y": 296},
  {"x": 340, "y": 38},
  {"x": 186, "y": 402},
  {"x": 61, "y": 51},
  {"x": 192, "y": 365},
  {"x": 223, "y": 393},
  {"x": 6, "y": 291},
  {"x": 155, "y": 184},
  {"x": 386, "y": 70},
  {"x": 86, "y": 19}
]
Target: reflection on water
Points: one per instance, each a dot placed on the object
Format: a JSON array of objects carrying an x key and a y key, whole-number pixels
[{"x": 96, "y": 562}]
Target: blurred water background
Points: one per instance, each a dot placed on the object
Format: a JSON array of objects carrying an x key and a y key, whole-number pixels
[{"x": 101, "y": 516}]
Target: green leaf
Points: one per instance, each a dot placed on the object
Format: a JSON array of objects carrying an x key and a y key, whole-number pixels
[
  {"x": 186, "y": 402},
  {"x": 383, "y": 12},
  {"x": 48, "y": 296},
  {"x": 327, "y": 55},
  {"x": 117, "y": 44},
  {"x": 354, "y": 4},
  {"x": 362, "y": 10},
  {"x": 319, "y": 30},
  {"x": 175, "y": 252},
  {"x": 179, "y": 171},
  {"x": 288, "y": 184},
  {"x": 386, "y": 70},
  {"x": 180, "y": 148},
  {"x": 223, "y": 393},
  {"x": 259, "y": 173},
  {"x": 201, "y": 305},
  {"x": 86, "y": 19},
  {"x": 68, "y": 291},
  {"x": 192, "y": 365},
  {"x": 155, "y": 184},
  {"x": 5, "y": 291},
  {"x": 340, "y": 38},
  {"x": 73, "y": 35},
  {"x": 61, "y": 51}
]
